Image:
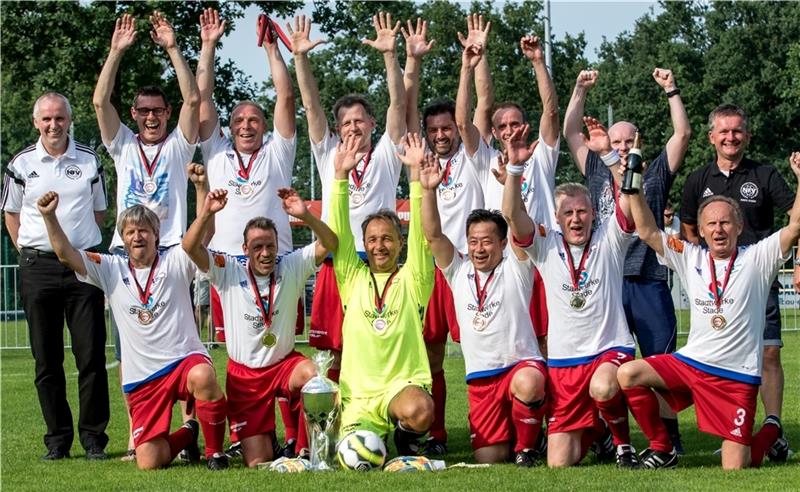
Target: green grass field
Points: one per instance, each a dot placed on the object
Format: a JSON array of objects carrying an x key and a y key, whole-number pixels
[{"x": 23, "y": 427}]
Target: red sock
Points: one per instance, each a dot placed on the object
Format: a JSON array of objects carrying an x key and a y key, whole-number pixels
[
  {"x": 179, "y": 440},
  {"x": 644, "y": 407},
  {"x": 762, "y": 441},
  {"x": 527, "y": 423},
  {"x": 296, "y": 409},
  {"x": 615, "y": 413},
  {"x": 439, "y": 393},
  {"x": 333, "y": 375},
  {"x": 212, "y": 416},
  {"x": 289, "y": 418}
]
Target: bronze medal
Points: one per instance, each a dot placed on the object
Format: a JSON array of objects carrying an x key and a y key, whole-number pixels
[
  {"x": 718, "y": 322},
  {"x": 577, "y": 302},
  {"x": 145, "y": 316}
]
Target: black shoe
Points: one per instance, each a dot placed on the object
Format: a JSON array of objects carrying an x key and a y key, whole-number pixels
[
  {"x": 677, "y": 444},
  {"x": 95, "y": 453},
  {"x": 604, "y": 447},
  {"x": 191, "y": 453},
  {"x": 434, "y": 448},
  {"x": 288, "y": 450},
  {"x": 406, "y": 442},
  {"x": 779, "y": 452},
  {"x": 626, "y": 457},
  {"x": 218, "y": 462},
  {"x": 235, "y": 451},
  {"x": 650, "y": 458},
  {"x": 526, "y": 458},
  {"x": 55, "y": 454},
  {"x": 541, "y": 444}
]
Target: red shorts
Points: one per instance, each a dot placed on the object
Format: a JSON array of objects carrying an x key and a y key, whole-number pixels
[
  {"x": 490, "y": 406},
  {"x": 724, "y": 407},
  {"x": 150, "y": 405},
  {"x": 440, "y": 318},
  {"x": 252, "y": 392},
  {"x": 538, "y": 306},
  {"x": 219, "y": 322},
  {"x": 325, "y": 332},
  {"x": 571, "y": 407}
]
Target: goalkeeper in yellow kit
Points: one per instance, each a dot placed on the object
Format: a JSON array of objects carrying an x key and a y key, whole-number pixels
[{"x": 385, "y": 378}]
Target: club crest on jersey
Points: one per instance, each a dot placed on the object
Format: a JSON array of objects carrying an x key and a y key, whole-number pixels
[
  {"x": 73, "y": 172},
  {"x": 748, "y": 191}
]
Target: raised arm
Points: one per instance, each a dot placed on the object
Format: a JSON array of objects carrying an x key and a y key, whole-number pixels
[
  {"x": 791, "y": 233},
  {"x": 309, "y": 92},
  {"x": 573, "y": 132},
  {"x": 470, "y": 134},
  {"x": 514, "y": 210},
  {"x": 681, "y": 129},
  {"x": 293, "y": 205},
  {"x": 193, "y": 241},
  {"x": 211, "y": 30},
  {"x": 107, "y": 117},
  {"x": 164, "y": 35},
  {"x": 284, "y": 113},
  {"x": 645, "y": 222},
  {"x": 416, "y": 47},
  {"x": 548, "y": 123},
  {"x": 478, "y": 34},
  {"x": 600, "y": 143},
  {"x": 67, "y": 254},
  {"x": 386, "y": 42}
]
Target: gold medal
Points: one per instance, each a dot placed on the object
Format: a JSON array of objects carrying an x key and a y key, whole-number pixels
[
  {"x": 448, "y": 194},
  {"x": 379, "y": 324},
  {"x": 577, "y": 302},
  {"x": 145, "y": 316},
  {"x": 245, "y": 189},
  {"x": 269, "y": 339},
  {"x": 357, "y": 198},
  {"x": 149, "y": 187},
  {"x": 478, "y": 323},
  {"x": 718, "y": 322}
]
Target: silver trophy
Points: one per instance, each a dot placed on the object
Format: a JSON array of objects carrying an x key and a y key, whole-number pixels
[{"x": 321, "y": 409}]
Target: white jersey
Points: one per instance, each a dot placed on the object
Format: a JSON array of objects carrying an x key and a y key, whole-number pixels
[
  {"x": 461, "y": 191},
  {"x": 504, "y": 335},
  {"x": 728, "y": 341},
  {"x": 155, "y": 337},
  {"x": 164, "y": 192},
  {"x": 538, "y": 184},
  {"x": 244, "y": 322},
  {"x": 577, "y": 336},
  {"x": 249, "y": 195},
  {"x": 378, "y": 188}
]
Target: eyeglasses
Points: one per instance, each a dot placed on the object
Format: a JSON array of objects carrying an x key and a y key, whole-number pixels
[{"x": 147, "y": 111}]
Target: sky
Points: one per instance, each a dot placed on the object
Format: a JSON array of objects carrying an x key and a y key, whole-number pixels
[{"x": 595, "y": 19}]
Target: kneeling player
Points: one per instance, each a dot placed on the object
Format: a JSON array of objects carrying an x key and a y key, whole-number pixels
[
  {"x": 590, "y": 340},
  {"x": 259, "y": 303},
  {"x": 165, "y": 361},
  {"x": 719, "y": 368}
]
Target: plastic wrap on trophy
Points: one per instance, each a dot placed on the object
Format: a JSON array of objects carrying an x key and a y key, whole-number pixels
[{"x": 321, "y": 409}]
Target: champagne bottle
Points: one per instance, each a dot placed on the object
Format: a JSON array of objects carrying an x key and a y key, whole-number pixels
[{"x": 632, "y": 180}]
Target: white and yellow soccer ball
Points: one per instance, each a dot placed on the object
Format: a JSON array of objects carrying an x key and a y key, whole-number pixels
[
  {"x": 361, "y": 450},
  {"x": 409, "y": 464}
]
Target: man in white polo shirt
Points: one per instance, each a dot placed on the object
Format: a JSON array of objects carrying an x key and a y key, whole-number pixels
[{"x": 50, "y": 292}]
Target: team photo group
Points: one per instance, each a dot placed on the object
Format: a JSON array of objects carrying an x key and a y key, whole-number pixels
[{"x": 550, "y": 289}]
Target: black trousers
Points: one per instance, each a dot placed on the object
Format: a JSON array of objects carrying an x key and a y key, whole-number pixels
[{"x": 51, "y": 293}]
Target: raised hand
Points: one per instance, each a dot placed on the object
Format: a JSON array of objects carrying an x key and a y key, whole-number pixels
[
  {"x": 48, "y": 203},
  {"x": 414, "y": 150},
  {"x": 500, "y": 174},
  {"x": 587, "y": 79},
  {"x": 416, "y": 45},
  {"x": 386, "y": 35},
  {"x": 345, "y": 159},
  {"x": 517, "y": 151},
  {"x": 794, "y": 163},
  {"x": 197, "y": 174},
  {"x": 162, "y": 33},
  {"x": 301, "y": 42},
  {"x": 598, "y": 141},
  {"x": 430, "y": 172},
  {"x": 472, "y": 55},
  {"x": 124, "y": 33},
  {"x": 211, "y": 27},
  {"x": 477, "y": 31},
  {"x": 532, "y": 48},
  {"x": 664, "y": 78},
  {"x": 215, "y": 201},
  {"x": 292, "y": 203}
]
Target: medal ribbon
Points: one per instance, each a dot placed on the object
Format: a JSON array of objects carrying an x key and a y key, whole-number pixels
[
  {"x": 265, "y": 314},
  {"x": 149, "y": 166},
  {"x": 719, "y": 295},
  {"x": 358, "y": 177},
  {"x": 379, "y": 301},
  {"x": 573, "y": 272},
  {"x": 144, "y": 294},
  {"x": 481, "y": 292},
  {"x": 446, "y": 174},
  {"x": 244, "y": 172}
]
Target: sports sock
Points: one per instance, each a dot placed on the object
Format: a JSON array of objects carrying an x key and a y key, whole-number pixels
[
  {"x": 179, "y": 440},
  {"x": 615, "y": 413},
  {"x": 289, "y": 418},
  {"x": 333, "y": 374},
  {"x": 527, "y": 421},
  {"x": 439, "y": 393},
  {"x": 762, "y": 441},
  {"x": 644, "y": 407},
  {"x": 212, "y": 416}
]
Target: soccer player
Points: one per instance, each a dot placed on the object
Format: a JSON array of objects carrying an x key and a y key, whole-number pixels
[
  {"x": 260, "y": 305},
  {"x": 385, "y": 379},
  {"x": 505, "y": 372},
  {"x": 372, "y": 183},
  {"x": 165, "y": 361},
  {"x": 719, "y": 368},
  {"x": 582, "y": 272},
  {"x": 465, "y": 165}
]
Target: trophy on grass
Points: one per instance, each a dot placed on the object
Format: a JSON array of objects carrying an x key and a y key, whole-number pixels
[{"x": 321, "y": 409}]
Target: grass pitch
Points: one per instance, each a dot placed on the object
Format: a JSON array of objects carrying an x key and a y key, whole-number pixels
[{"x": 22, "y": 429}]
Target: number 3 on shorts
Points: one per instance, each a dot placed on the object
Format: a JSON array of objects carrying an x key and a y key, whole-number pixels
[{"x": 740, "y": 414}]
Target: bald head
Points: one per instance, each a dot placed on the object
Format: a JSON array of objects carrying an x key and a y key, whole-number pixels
[{"x": 621, "y": 135}]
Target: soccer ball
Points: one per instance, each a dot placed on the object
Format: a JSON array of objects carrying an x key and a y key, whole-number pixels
[
  {"x": 408, "y": 464},
  {"x": 361, "y": 450}
]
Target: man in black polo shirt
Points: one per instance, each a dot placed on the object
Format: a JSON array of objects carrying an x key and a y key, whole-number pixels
[{"x": 759, "y": 189}]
